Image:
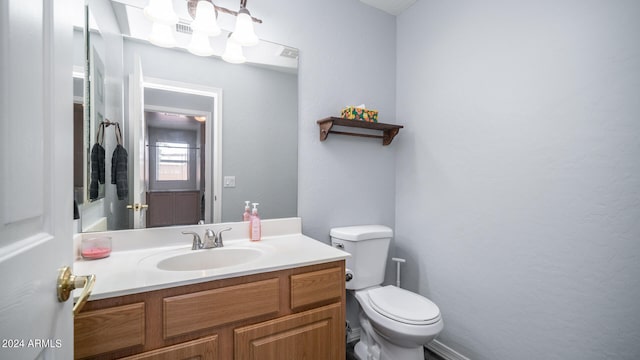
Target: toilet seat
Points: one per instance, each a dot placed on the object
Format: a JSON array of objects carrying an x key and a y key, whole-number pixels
[
  {"x": 393, "y": 328},
  {"x": 403, "y": 306}
]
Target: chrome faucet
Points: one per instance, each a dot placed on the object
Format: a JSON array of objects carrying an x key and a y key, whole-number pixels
[
  {"x": 197, "y": 243},
  {"x": 217, "y": 242},
  {"x": 211, "y": 239}
]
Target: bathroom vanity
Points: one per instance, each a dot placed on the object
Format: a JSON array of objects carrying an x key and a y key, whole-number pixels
[{"x": 286, "y": 303}]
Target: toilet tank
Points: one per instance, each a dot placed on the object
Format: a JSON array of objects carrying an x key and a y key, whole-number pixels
[{"x": 369, "y": 247}]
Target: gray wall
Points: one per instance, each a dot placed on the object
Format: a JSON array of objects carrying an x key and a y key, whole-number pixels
[
  {"x": 259, "y": 125},
  {"x": 518, "y": 174},
  {"x": 347, "y": 57}
]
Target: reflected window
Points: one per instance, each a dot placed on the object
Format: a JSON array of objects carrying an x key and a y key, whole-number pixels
[{"x": 173, "y": 161}]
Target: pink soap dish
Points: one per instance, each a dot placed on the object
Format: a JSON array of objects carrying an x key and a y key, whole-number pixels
[{"x": 95, "y": 248}]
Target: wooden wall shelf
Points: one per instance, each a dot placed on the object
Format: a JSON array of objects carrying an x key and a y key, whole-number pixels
[{"x": 389, "y": 131}]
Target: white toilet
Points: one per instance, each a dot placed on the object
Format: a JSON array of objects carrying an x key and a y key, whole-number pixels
[{"x": 395, "y": 323}]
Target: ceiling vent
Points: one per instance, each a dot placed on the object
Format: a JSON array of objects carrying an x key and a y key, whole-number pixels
[
  {"x": 290, "y": 53},
  {"x": 183, "y": 27}
]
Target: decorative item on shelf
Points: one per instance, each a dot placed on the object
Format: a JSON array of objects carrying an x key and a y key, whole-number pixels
[
  {"x": 204, "y": 26},
  {"x": 360, "y": 112}
]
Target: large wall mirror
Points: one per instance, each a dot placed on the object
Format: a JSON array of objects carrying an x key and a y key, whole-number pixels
[{"x": 201, "y": 136}]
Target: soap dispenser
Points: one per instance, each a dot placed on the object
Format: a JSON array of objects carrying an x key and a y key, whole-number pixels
[
  {"x": 254, "y": 226},
  {"x": 247, "y": 212}
]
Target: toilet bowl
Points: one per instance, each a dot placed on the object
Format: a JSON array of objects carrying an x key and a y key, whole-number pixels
[
  {"x": 401, "y": 316},
  {"x": 395, "y": 323}
]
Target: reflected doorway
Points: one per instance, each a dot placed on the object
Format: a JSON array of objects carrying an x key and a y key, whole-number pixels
[
  {"x": 175, "y": 153},
  {"x": 182, "y": 153}
]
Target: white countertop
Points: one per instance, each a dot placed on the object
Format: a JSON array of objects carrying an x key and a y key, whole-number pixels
[{"x": 131, "y": 266}]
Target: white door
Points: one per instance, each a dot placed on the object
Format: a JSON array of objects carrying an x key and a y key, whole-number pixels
[
  {"x": 137, "y": 140},
  {"x": 36, "y": 193}
]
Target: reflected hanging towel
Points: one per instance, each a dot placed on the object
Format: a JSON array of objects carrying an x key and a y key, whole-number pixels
[
  {"x": 97, "y": 170},
  {"x": 76, "y": 211},
  {"x": 119, "y": 172}
]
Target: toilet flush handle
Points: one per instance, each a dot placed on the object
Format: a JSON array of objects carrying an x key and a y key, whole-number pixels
[
  {"x": 398, "y": 261},
  {"x": 348, "y": 276}
]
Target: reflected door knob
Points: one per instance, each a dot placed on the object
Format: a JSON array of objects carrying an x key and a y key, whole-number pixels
[{"x": 137, "y": 206}]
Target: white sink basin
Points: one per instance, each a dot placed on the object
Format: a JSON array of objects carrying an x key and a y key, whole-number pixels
[{"x": 195, "y": 260}]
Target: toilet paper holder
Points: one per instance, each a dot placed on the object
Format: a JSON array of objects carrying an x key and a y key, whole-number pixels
[{"x": 398, "y": 262}]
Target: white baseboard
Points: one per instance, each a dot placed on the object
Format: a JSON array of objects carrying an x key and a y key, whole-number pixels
[
  {"x": 353, "y": 335},
  {"x": 444, "y": 351}
]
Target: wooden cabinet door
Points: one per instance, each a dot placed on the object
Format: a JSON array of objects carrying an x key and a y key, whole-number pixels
[
  {"x": 316, "y": 334},
  {"x": 201, "y": 349},
  {"x": 109, "y": 330}
]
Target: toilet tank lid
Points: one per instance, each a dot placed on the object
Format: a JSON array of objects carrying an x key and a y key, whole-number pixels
[{"x": 361, "y": 232}]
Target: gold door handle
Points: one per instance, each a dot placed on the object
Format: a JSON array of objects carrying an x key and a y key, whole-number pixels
[{"x": 67, "y": 282}]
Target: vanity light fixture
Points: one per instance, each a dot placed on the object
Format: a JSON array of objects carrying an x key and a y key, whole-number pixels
[
  {"x": 163, "y": 17},
  {"x": 205, "y": 21},
  {"x": 233, "y": 52},
  {"x": 162, "y": 35},
  {"x": 161, "y": 11},
  {"x": 204, "y": 25},
  {"x": 244, "y": 33},
  {"x": 200, "y": 44}
]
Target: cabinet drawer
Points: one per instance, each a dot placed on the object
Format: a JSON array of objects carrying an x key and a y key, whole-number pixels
[
  {"x": 202, "y": 349},
  {"x": 211, "y": 308},
  {"x": 101, "y": 331},
  {"x": 316, "y": 286}
]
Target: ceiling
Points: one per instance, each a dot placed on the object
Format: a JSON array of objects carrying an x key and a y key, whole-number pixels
[{"x": 393, "y": 7}]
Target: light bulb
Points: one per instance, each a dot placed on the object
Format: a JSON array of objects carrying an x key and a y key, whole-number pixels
[
  {"x": 205, "y": 21},
  {"x": 162, "y": 35},
  {"x": 161, "y": 11},
  {"x": 200, "y": 44},
  {"x": 244, "y": 34},
  {"x": 233, "y": 52}
]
